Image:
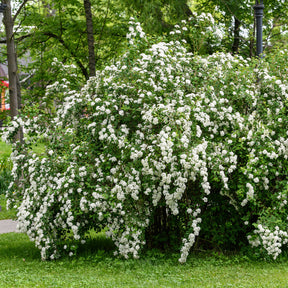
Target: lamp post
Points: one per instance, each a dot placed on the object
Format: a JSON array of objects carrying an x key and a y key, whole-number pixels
[
  {"x": 2, "y": 8},
  {"x": 258, "y": 8}
]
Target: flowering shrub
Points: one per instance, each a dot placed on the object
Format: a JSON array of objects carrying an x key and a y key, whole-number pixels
[{"x": 158, "y": 133}]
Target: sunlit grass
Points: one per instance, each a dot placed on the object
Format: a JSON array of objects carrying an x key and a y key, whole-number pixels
[
  {"x": 5, "y": 150},
  {"x": 39, "y": 148},
  {"x": 5, "y": 167},
  {"x": 95, "y": 266}
]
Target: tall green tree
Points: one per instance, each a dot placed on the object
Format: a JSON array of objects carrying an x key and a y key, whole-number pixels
[
  {"x": 157, "y": 16},
  {"x": 86, "y": 34},
  {"x": 14, "y": 84},
  {"x": 91, "y": 33},
  {"x": 90, "y": 37}
]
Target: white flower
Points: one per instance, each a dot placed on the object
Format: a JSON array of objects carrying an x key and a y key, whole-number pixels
[{"x": 278, "y": 82}]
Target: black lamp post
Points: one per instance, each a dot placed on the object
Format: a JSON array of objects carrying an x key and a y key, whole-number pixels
[
  {"x": 258, "y": 8},
  {"x": 2, "y": 8}
]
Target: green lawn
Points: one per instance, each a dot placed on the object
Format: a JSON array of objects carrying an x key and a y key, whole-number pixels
[
  {"x": 21, "y": 267},
  {"x": 5, "y": 149}
]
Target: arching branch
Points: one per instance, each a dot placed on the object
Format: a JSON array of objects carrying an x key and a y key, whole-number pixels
[
  {"x": 19, "y": 9},
  {"x": 81, "y": 66}
]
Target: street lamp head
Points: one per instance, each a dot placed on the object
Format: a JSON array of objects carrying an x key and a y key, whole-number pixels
[{"x": 2, "y": 7}]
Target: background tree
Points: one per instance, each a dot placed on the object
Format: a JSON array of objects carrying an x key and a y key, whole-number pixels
[
  {"x": 238, "y": 17},
  {"x": 158, "y": 16},
  {"x": 90, "y": 37},
  {"x": 48, "y": 29},
  {"x": 59, "y": 30},
  {"x": 14, "y": 84},
  {"x": 11, "y": 59}
]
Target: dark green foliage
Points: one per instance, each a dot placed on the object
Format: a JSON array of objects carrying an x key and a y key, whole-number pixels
[
  {"x": 222, "y": 228},
  {"x": 5, "y": 175},
  {"x": 5, "y": 167},
  {"x": 157, "y": 16}
]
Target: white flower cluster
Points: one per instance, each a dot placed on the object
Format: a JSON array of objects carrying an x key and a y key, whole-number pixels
[
  {"x": 11, "y": 131},
  {"x": 206, "y": 31},
  {"x": 188, "y": 242},
  {"x": 271, "y": 240},
  {"x": 250, "y": 194},
  {"x": 135, "y": 30}
]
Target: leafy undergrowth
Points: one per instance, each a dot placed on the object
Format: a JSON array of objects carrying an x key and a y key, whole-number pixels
[{"x": 95, "y": 266}]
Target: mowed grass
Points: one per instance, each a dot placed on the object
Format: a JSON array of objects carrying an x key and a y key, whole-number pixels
[
  {"x": 5, "y": 149},
  {"x": 5, "y": 168},
  {"x": 95, "y": 266}
]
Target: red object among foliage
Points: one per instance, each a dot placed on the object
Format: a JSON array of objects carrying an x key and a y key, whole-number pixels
[
  {"x": 3, "y": 86},
  {"x": 4, "y": 83}
]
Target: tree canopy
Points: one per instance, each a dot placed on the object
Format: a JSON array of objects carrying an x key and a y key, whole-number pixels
[{"x": 45, "y": 30}]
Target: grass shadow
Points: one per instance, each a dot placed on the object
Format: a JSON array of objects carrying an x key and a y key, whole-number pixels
[
  {"x": 97, "y": 242},
  {"x": 17, "y": 245}
]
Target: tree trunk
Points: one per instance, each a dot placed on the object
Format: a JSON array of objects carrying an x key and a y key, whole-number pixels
[
  {"x": 90, "y": 38},
  {"x": 12, "y": 64},
  {"x": 235, "y": 47},
  {"x": 11, "y": 58}
]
